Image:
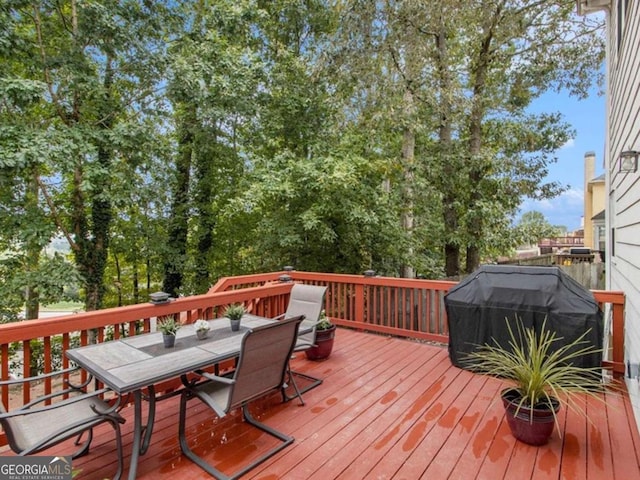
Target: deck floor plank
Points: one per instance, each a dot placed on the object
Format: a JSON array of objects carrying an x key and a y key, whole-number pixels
[
  {"x": 370, "y": 414},
  {"x": 457, "y": 446},
  {"x": 359, "y": 395},
  {"x": 397, "y": 420},
  {"x": 388, "y": 408},
  {"x": 376, "y": 421}
]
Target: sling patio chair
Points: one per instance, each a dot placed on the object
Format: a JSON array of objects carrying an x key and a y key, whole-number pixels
[
  {"x": 307, "y": 300},
  {"x": 33, "y": 427},
  {"x": 261, "y": 369}
]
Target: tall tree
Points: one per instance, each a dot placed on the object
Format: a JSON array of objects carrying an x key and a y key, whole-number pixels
[
  {"x": 518, "y": 50},
  {"x": 98, "y": 64},
  {"x": 480, "y": 65}
]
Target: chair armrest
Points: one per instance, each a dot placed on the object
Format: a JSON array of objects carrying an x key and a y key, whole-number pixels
[
  {"x": 38, "y": 377},
  {"x": 216, "y": 378},
  {"x": 25, "y": 410}
]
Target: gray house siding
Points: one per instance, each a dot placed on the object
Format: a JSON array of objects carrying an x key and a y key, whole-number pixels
[{"x": 623, "y": 133}]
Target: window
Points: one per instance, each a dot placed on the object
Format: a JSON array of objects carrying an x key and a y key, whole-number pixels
[
  {"x": 620, "y": 22},
  {"x": 613, "y": 242}
]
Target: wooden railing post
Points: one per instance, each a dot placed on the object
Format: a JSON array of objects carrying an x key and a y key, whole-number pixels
[
  {"x": 618, "y": 338},
  {"x": 359, "y": 304}
]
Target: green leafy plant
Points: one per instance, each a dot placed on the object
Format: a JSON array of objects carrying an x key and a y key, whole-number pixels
[
  {"x": 168, "y": 325},
  {"x": 37, "y": 358},
  {"x": 323, "y": 322},
  {"x": 235, "y": 311},
  {"x": 539, "y": 368}
]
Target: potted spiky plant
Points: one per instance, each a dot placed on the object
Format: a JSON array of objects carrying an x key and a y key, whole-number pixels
[
  {"x": 543, "y": 377},
  {"x": 169, "y": 326},
  {"x": 234, "y": 313}
]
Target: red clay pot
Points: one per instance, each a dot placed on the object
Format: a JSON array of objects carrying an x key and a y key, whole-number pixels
[
  {"x": 536, "y": 432},
  {"x": 324, "y": 344}
]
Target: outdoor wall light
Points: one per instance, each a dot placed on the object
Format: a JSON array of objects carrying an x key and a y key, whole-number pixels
[{"x": 628, "y": 161}]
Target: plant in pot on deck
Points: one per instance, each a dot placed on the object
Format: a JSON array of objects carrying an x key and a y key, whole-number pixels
[
  {"x": 234, "y": 313},
  {"x": 542, "y": 374},
  {"x": 323, "y": 344},
  {"x": 169, "y": 327}
]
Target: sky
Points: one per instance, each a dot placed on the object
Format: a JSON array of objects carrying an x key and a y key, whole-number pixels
[{"x": 587, "y": 117}]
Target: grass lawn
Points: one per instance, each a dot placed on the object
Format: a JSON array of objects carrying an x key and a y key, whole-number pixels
[{"x": 60, "y": 306}]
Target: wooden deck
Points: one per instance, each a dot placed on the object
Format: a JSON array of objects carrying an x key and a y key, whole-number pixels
[{"x": 388, "y": 409}]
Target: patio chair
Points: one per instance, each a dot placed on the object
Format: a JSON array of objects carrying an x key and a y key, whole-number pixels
[
  {"x": 307, "y": 300},
  {"x": 33, "y": 428},
  {"x": 261, "y": 369}
]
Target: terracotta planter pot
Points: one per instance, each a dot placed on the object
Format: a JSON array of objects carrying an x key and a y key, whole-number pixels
[
  {"x": 324, "y": 344},
  {"x": 536, "y": 432}
]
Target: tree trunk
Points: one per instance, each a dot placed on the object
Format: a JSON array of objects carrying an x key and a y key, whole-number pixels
[
  {"x": 101, "y": 214},
  {"x": 408, "y": 161},
  {"x": 477, "y": 171},
  {"x": 33, "y": 248},
  {"x": 178, "y": 221},
  {"x": 118, "y": 282},
  {"x": 136, "y": 283},
  {"x": 206, "y": 220},
  {"x": 449, "y": 211}
]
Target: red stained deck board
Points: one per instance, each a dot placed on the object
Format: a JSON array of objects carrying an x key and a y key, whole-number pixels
[
  {"x": 357, "y": 397},
  {"x": 599, "y": 454},
  {"x": 623, "y": 436},
  {"x": 378, "y": 405},
  {"x": 549, "y": 456},
  {"x": 428, "y": 432},
  {"x": 387, "y": 406},
  {"x": 376, "y": 421},
  {"x": 460, "y": 441},
  {"x": 574, "y": 452},
  {"x": 399, "y": 420}
]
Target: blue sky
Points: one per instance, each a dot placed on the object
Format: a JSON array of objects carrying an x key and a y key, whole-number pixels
[{"x": 587, "y": 117}]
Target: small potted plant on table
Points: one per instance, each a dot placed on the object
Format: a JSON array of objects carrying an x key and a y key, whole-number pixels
[
  {"x": 234, "y": 313},
  {"x": 169, "y": 327},
  {"x": 202, "y": 329},
  {"x": 542, "y": 377},
  {"x": 325, "y": 335}
]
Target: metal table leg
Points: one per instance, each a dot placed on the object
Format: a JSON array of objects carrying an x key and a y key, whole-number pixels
[
  {"x": 141, "y": 435},
  {"x": 152, "y": 415},
  {"x": 137, "y": 434}
]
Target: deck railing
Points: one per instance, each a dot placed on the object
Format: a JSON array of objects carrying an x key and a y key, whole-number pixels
[
  {"x": 55, "y": 335},
  {"x": 395, "y": 306},
  {"x": 415, "y": 308}
]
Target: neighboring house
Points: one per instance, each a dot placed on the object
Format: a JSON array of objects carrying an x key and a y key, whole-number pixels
[
  {"x": 622, "y": 178},
  {"x": 594, "y": 205}
]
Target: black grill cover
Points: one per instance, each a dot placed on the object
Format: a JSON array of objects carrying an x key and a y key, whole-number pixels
[{"x": 477, "y": 308}]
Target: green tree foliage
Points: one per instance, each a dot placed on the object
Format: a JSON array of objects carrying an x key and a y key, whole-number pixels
[
  {"x": 88, "y": 70},
  {"x": 533, "y": 227},
  {"x": 172, "y": 143},
  {"x": 471, "y": 69}
]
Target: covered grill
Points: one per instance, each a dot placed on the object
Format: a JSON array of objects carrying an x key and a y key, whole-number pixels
[{"x": 477, "y": 308}]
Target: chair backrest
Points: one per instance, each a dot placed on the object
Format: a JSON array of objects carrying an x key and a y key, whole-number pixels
[
  {"x": 264, "y": 356},
  {"x": 307, "y": 300}
]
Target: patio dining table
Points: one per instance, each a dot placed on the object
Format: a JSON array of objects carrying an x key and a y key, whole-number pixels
[{"x": 129, "y": 365}]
